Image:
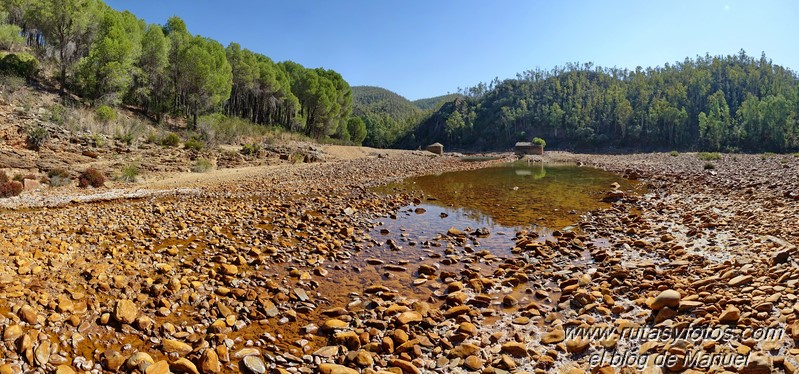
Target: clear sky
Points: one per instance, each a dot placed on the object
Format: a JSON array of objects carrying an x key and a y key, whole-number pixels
[{"x": 424, "y": 48}]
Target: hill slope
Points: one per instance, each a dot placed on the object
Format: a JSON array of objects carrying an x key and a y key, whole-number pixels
[
  {"x": 368, "y": 99},
  {"x": 433, "y": 103},
  {"x": 389, "y": 116},
  {"x": 722, "y": 103}
]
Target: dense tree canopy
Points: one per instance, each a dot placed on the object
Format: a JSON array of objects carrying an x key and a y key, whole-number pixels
[
  {"x": 710, "y": 103},
  {"x": 106, "y": 73},
  {"x": 112, "y": 57},
  {"x": 67, "y": 26}
]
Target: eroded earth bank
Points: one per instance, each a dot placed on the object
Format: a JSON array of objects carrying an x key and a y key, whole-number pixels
[{"x": 284, "y": 270}]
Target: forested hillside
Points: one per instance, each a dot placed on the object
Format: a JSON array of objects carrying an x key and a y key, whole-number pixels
[
  {"x": 111, "y": 58},
  {"x": 386, "y": 115},
  {"x": 433, "y": 102},
  {"x": 724, "y": 103}
]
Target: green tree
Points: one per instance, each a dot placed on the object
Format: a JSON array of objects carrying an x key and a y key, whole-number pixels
[
  {"x": 107, "y": 72},
  {"x": 324, "y": 97},
  {"x": 10, "y": 36},
  {"x": 205, "y": 78},
  {"x": 357, "y": 130},
  {"x": 454, "y": 124},
  {"x": 751, "y": 120},
  {"x": 714, "y": 125},
  {"x": 152, "y": 87},
  {"x": 178, "y": 35},
  {"x": 68, "y": 27},
  {"x": 778, "y": 122}
]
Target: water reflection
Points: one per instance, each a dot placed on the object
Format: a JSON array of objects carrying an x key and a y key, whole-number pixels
[{"x": 510, "y": 197}]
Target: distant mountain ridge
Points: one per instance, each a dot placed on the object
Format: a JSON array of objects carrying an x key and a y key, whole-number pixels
[
  {"x": 432, "y": 103},
  {"x": 388, "y": 115},
  {"x": 380, "y": 100}
]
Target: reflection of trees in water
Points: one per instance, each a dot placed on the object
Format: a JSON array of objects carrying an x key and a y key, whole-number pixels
[
  {"x": 534, "y": 172},
  {"x": 516, "y": 195}
]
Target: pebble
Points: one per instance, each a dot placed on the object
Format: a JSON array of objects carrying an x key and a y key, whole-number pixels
[
  {"x": 667, "y": 298},
  {"x": 254, "y": 364}
]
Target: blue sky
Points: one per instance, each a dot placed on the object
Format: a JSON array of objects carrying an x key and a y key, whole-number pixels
[{"x": 424, "y": 48}]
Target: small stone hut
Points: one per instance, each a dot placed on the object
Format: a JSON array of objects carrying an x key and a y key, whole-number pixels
[
  {"x": 528, "y": 148},
  {"x": 436, "y": 148}
]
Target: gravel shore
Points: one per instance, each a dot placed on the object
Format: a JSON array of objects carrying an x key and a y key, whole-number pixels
[{"x": 276, "y": 272}]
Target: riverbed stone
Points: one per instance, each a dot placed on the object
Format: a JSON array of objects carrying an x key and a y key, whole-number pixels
[
  {"x": 125, "y": 311},
  {"x": 668, "y": 298}
]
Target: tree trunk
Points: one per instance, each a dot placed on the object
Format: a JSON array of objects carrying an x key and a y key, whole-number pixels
[{"x": 63, "y": 78}]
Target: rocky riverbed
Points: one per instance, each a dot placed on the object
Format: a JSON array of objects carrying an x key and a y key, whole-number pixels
[{"x": 278, "y": 272}]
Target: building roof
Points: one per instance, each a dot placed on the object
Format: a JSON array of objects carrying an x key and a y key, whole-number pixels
[
  {"x": 436, "y": 145},
  {"x": 524, "y": 144}
]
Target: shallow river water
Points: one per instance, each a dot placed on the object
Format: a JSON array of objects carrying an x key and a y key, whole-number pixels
[{"x": 504, "y": 199}]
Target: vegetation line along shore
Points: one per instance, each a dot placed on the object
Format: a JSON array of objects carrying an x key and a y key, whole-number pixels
[{"x": 106, "y": 58}]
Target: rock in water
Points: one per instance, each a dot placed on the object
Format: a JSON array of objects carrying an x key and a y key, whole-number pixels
[
  {"x": 175, "y": 346},
  {"x": 42, "y": 353},
  {"x": 140, "y": 361}
]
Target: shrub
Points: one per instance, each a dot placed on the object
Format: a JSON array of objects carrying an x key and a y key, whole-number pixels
[
  {"x": 709, "y": 166},
  {"x": 220, "y": 129},
  {"x": 129, "y": 173},
  {"x": 19, "y": 64},
  {"x": 201, "y": 166},
  {"x": 105, "y": 113},
  {"x": 37, "y": 136},
  {"x": 170, "y": 140},
  {"x": 152, "y": 138},
  {"x": 58, "y": 177},
  {"x": 708, "y": 156},
  {"x": 674, "y": 153},
  {"x": 98, "y": 140},
  {"x": 58, "y": 114},
  {"x": 21, "y": 178},
  {"x": 91, "y": 177},
  {"x": 10, "y": 37},
  {"x": 130, "y": 130},
  {"x": 125, "y": 137},
  {"x": 10, "y": 83},
  {"x": 194, "y": 144},
  {"x": 9, "y": 189},
  {"x": 539, "y": 141},
  {"x": 297, "y": 158},
  {"x": 250, "y": 149}
]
